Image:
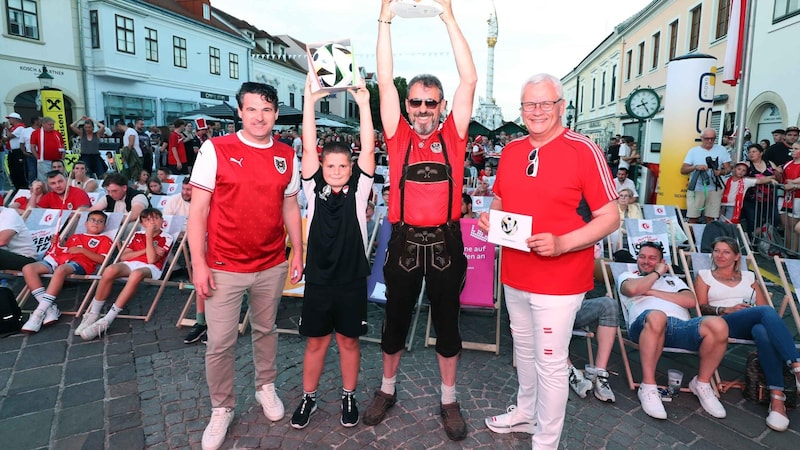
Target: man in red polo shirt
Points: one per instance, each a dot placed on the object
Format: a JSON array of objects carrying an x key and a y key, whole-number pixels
[
  {"x": 424, "y": 209},
  {"x": 47, "y": 145},
  {"x": 544, "y": 287}
]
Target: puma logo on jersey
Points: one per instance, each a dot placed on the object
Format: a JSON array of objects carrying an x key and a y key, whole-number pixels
[{"x": 239, "y": 161}]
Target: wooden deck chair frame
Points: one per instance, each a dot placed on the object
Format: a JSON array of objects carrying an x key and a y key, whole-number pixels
[
  {"x": 64, "y": 226},
  {"x": 178, "y": 244},
  {"x": 497, "y": 294},
  {"x": 179, "y": 247},
  {"x": 617, "y": 269},
  {"x": 71, "y": 228},
  {"x": 120, "y": 242},
  {"x": 790, "y": 280}
]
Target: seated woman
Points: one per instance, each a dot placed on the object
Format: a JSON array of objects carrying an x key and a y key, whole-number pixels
[
  {"x": 141, "y": 182},
  {"x": 81, "y": 180},
  {"x": 628, "y": 209},
  {"x": 727, "y": 291}
]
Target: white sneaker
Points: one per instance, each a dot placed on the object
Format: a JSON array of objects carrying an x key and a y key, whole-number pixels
[
  {"x": 51, "y": 315},
  {"x": 708, "y": 400},
  {"x": 650, "y": 399},
  {"x": 578, "y": 383},
  {"x": 602, "y": 390},
  {"x": 87, "y": 319},
  {"x": 217, "y": 428},
  {"x": 272, "y": 405},
  {"x": 510, "y": 422},
  {"x": 34, "y": 323},
  {"x": 94, "y": 330}
]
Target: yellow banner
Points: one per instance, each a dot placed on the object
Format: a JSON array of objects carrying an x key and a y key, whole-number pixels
[
  {"x": 53, "y": 107},
  {"x": 689, "y": 100}
]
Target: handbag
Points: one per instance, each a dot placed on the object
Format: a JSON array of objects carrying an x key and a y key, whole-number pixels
[{"x": 756, "y": 388}]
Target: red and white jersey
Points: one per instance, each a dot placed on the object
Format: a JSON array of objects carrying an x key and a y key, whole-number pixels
[
  {"x": 425, "y": 202},
  {"x": 572, "y": 180},
  {"x": 76, "y": 198},
  {"x": 96, "y": 243},
  {"x": 139, "y": 242},
  {"x": 249, "y": 183}
]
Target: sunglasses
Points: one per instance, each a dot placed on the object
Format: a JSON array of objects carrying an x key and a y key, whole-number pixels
[
  {"x": 533, "y": 163},
  {"x": 429, "y": 102}
]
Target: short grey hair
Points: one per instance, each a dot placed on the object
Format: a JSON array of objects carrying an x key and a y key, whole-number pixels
[
  {"x": 544, "y": 78},
  {"x": 47, "y": 120}
]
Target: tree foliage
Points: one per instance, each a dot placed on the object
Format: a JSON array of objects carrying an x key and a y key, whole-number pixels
[{"x": 375, "y": 101}]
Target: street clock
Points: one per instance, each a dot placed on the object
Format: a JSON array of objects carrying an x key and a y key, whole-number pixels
[{"x": 643, "y": 103}]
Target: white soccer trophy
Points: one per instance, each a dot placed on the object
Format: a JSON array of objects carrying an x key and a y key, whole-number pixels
[{"x": 411, "y": 9}]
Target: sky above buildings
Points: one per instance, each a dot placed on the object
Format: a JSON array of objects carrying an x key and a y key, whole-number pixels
[{"x": 534, "y": 36}]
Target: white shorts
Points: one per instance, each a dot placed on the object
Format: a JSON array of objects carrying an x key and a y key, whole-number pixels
[{"x": 155, "y": 272}]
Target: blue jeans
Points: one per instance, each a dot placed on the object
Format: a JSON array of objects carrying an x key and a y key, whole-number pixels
[
  {"x": 683, "y": 334},
  {"x": 773, "y": 340}
]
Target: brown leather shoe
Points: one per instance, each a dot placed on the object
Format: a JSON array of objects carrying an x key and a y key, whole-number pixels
[
  {"x": 376, "y": 410},
  {"x": 454, "y": 424}
]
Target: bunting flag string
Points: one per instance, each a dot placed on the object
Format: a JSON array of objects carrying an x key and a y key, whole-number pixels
[{"x": 288, "y": 56}]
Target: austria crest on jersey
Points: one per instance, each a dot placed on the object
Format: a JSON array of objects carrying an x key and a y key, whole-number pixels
[{"x": 280, "y": 164}]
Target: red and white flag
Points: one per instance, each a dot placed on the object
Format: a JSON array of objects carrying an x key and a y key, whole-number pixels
[{"x": 735, "y": 50}]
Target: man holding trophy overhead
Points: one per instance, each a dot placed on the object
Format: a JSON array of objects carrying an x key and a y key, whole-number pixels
[{"x": 425, "y": 202}]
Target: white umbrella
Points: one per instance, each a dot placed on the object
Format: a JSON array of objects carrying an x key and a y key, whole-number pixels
[
  {"x": 325, "y": 122},
  {"x": 203, "y": 116}
]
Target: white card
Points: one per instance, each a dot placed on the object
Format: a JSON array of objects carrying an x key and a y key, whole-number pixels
[{"x": 509, "y": 229}]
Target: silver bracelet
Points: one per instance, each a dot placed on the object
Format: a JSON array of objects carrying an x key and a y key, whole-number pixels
[{"x": 716, "y": 311}]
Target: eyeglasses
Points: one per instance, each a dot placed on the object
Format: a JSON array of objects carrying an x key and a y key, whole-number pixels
[
  {"x": 100, "y": 221},
  {"x": 533, "y": 163},
  {"x": 429, "y": 102},
  {"x": 545, "y": 106}
]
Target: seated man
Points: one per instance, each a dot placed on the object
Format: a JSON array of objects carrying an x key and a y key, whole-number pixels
[
  {"x": 622, "y": 181},
  {"x": 60, "y": 197},
  {"x": 178, "y": 205},
  {"x": 658, "y": 318},
  {"x": 121, "y": 198},
  {"x": 80, "y": 255},
  {"x": 16, "y": 243},
  {"x": 466, "y": 207},
  {"x": 144, "y": 257}
]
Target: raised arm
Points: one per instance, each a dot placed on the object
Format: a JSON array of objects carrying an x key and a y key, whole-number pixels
[
  {"x": 467, "y": 75},
  {"x": 389, "y": 98},
  {"x": 310, "y": 163},
  {"x": 74, "y": 126},
  {"x": 366, "y": 159}
]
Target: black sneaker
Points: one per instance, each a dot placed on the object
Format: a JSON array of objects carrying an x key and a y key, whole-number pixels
[
  {"x": 198, "y": 331},
  {"x": 302, "y": 415},
  {"x": 349, "y": 410}
]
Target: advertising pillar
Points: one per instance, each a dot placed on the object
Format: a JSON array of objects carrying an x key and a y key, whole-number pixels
[
  {"x": 53, "y": 107},
  {"x": 689, "y": 98}
]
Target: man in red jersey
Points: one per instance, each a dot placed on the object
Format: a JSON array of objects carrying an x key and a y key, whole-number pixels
[
  {"x": 245, "y": 249},
  {"x": 544, "y": 287},
  {"x": 424, "y": 209},
  {"x": 60, "y": 197}
]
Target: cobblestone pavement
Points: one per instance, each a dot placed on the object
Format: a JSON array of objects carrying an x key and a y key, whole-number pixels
[{"x": 141, "y": 387}]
